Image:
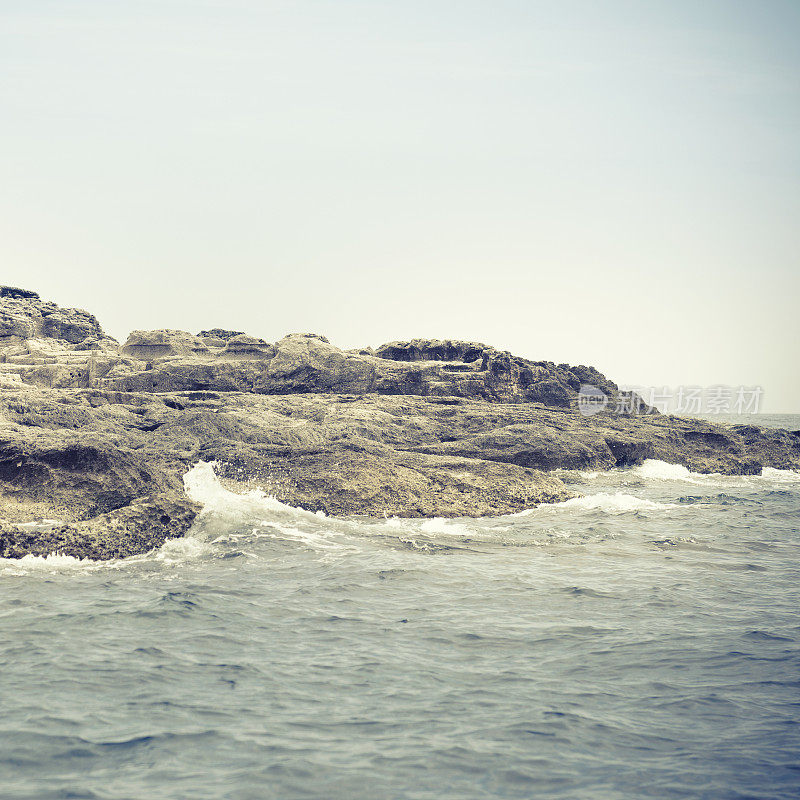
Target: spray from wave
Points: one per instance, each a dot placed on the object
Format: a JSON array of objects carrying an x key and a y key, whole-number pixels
[
  {"x": 653, "y": 469},
  {"x": 604, "y": 502},
  {"x": 616, "y": 503},
  {"x": 231, "y": 517}
]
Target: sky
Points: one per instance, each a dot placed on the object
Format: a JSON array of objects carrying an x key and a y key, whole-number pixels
[{"x": 604, "y": 182}]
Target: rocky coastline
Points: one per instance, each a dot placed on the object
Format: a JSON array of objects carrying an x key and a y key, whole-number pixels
[{"x": 95, "y": 435}]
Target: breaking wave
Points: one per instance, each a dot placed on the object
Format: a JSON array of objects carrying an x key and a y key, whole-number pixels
[
  {"x": 653, "y": 469},
  {"x": 780, "y": 475},
  {"x": 231, "y": 517},
  {"x": 616, "y": 503},
  {"x": 229, "y": 508},
  {"x": 274, "y": 647},
  {"x": 661, "y": 470},
  {"x": 48, "y": 563}
]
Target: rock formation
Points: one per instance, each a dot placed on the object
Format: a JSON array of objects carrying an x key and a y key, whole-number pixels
[{"x": 95, "y": 437}]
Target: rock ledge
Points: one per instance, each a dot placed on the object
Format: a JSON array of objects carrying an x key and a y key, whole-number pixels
[{"x": 97, "y": 436}]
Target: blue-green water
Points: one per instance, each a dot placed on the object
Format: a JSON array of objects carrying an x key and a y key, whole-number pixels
[{"x": 642, "y": 642}]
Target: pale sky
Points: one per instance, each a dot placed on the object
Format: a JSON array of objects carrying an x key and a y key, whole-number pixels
[{"x": 605, "y": 182}]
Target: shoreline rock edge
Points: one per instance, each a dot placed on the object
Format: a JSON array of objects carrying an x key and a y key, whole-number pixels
[{"x": 96, "y": 436}]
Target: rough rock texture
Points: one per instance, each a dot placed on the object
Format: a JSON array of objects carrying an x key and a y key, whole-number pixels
[
  {"x": 43, "y": 345},
  {"x": 308, "y": 363},
  {"x": 154, "y": 345},
  {"x": 25, "y": 316},
  {"x": 143, "y": 524},
  {"x": 97, "y": 437}
]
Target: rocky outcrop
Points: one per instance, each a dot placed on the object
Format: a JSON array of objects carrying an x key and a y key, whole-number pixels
[
  {"x": 220, "y": 334},
  {"x": 47, "y": 346},
  {"x": 15, "y": 292},
  {"x": 477, "y": 370},
  {"x": 154, "y": 345},
  {"x": 23, "y": 315},
  {"x": 136, "y": 528},
  {"x": 244, "y": 346},
  {"x": 43, "y": 345},
  {"x": 432, "y": 350},
  {"x": 95, "y": 438}
]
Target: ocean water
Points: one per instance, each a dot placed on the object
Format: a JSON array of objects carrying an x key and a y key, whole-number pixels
[{"x": 640, "y": 642}]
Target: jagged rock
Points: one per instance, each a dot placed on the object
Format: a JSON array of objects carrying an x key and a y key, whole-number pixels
[
  {"x": 98, "y": 437},
  {"x": 16, "y": 325},
  {"x": 54, "y": 363},
  {"x": 47, "y": 346},
  {"x": 349, "y": 477},
  {"x": 154, "y": 345},
  {"x": 432, "y": 350},
  {"x": 13, "y": 291},
  {"x": 589, "y": 376},
  {"x": 627, "y": 451},
  {"x": 477, "y": 370},
  {"x": 141, "y": 526},
  {"x": 76, "y": 454},
  {"x": 166, "y": 361},
  {"x": 531, "y": 446},
  {"x": 51, "y": 467},
  {"x": 244, "y": 346},
  {"x": 70, "y": 325},
  {"x": 309, "y": 363},
  {"x": 24, "y": 315},
  {"x": 219, "y": 333}
]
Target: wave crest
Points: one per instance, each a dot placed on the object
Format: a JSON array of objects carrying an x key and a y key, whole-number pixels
[{"x": 616, "y": 503}]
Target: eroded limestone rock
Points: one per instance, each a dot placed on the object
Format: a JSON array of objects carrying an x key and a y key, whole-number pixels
[{"x": 98, "y": 437}]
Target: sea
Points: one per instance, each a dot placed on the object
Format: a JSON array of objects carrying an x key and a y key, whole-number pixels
[{"x": 640, "y": 641}]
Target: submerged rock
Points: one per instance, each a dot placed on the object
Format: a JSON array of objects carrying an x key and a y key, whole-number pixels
[{"x": 98, "y": 436}]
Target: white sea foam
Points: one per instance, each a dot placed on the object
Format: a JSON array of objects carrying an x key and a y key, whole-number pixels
[
  {"x": 171, "y": 552},
  {"x": 608, "y": 503},
  {"x": 204, "y": 487},
  {"x": 445, "y": 526},
  {"x": 653, "y": 469},
  {"x": 780, "y": 475},
  {"x": 660, "y": 470},
  {"x": 49, "y": 564},
  {"x": 53, "y": 561},
  {"x": 183, "y": 549},
  {"x": 318, "y": 539},
  {"x": 226, "y": 514},
  {"x": 617, "y": 503}
]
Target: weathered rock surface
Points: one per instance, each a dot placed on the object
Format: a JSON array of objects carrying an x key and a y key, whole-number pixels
[
  {"x": 97, "y": 436},
  {"x": 138, "y": 527},
  {"x": 25, "y": 316},
  {"x": 153, "y": 345}
]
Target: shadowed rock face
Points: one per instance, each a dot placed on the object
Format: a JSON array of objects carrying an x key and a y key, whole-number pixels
[
  {"x": 432, "y": 350},
  {"x": 44, "y": 345},
  {"x": 155, "y": 345},
  {"x": 25, "y": 316},
  {"x": 13, "y": 291},
  {"x": 136, "y": 528},
  {"x": 97, "y": 437},
  {"x": 219, "y": 333}
]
